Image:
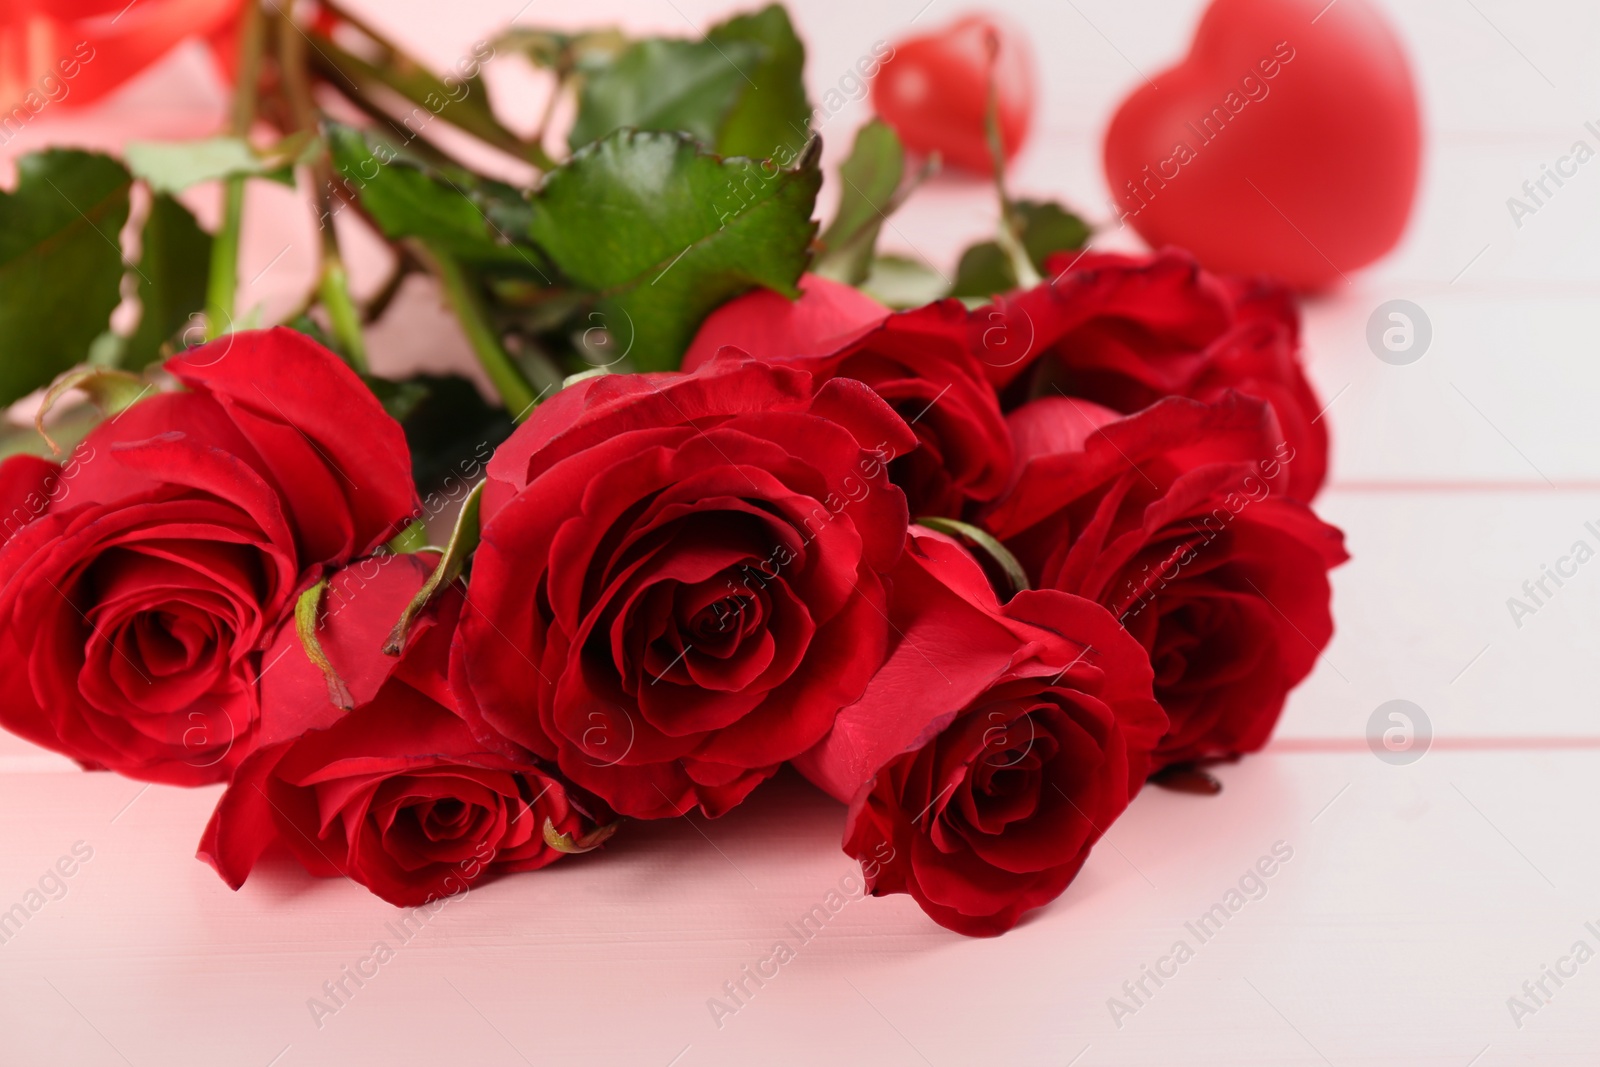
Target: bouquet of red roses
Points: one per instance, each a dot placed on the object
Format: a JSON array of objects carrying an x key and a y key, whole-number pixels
[{"x": 977, "y": 565}]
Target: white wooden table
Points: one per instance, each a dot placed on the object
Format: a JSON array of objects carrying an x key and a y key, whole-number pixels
[{"x": 1418, "y": 898}]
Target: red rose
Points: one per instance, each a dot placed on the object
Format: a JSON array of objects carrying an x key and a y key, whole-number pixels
[
  {"x": 73, "y": 52},
  {"x": 678, "y": 584},
  {"x": 140, "y": 582},
  {"x": 1178, "y": 520},
  {"x": 397, "y": 794},
  {"x": 993, "y": 748},
  {"x": 1125, "y": 331},
  {"x": 919, "y": 361}
]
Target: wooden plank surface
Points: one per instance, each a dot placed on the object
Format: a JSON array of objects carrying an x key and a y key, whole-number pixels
[{"x": 1418, "y": 899}]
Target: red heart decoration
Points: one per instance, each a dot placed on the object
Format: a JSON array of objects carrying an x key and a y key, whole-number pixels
[
  {"x": 1287, "y": 142},
  {"x": 934, "y": 90}
]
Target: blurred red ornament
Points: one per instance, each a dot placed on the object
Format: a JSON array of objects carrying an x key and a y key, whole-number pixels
[
  {"x": 934, "y": 90},
  {"x": 73, "y": 52},
  {"x": 1287, "y": 142}
]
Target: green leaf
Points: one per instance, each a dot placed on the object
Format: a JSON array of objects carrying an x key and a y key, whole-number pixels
[
  {"x": 662, "y": 84},
  {"x": 1015, "y": 576},
  {"x": 471, "y": 218},
  {"x": 738, "y": 90},
  {"x": 1047, "y": 228},
  {"x": 868, "y": 182},
  {"x": 60, "y": 263},
  {"x": 900, "y": 283},
  {"x": 173, "y": 270},
  {"x": 663, "y": 233},
  {"x": 773, "y": 113},
  {"x": 984, "y": 270},
  {"x": 173, "y": 166}
]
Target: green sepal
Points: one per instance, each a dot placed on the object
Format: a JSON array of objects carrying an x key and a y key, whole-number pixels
[{"x": 463, "y": 541}]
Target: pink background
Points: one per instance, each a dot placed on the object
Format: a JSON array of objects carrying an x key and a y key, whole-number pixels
[{"x": 1417, "y": 900}]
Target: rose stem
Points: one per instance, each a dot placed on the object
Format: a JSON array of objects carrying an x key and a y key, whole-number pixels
[
  {"x": 223, "y": 283},
  {"x": 390, "y": 70},
  {"x": 1010, "y": 235},
  {"x": 460, "y": 290},
  {"x": 333, "y": 286}
]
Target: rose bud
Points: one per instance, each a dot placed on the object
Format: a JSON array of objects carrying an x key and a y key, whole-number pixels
[
  {"x": 396, "y": 794},
  {"x": 680, "y": 578},
  {"x": 922, "y": 362},
  {"x": 995, "y": 746},
  {"x": 1179, "y": 520},
  {"x": 141, "y": 580},
  {"x": 1126, "y": 331}
]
